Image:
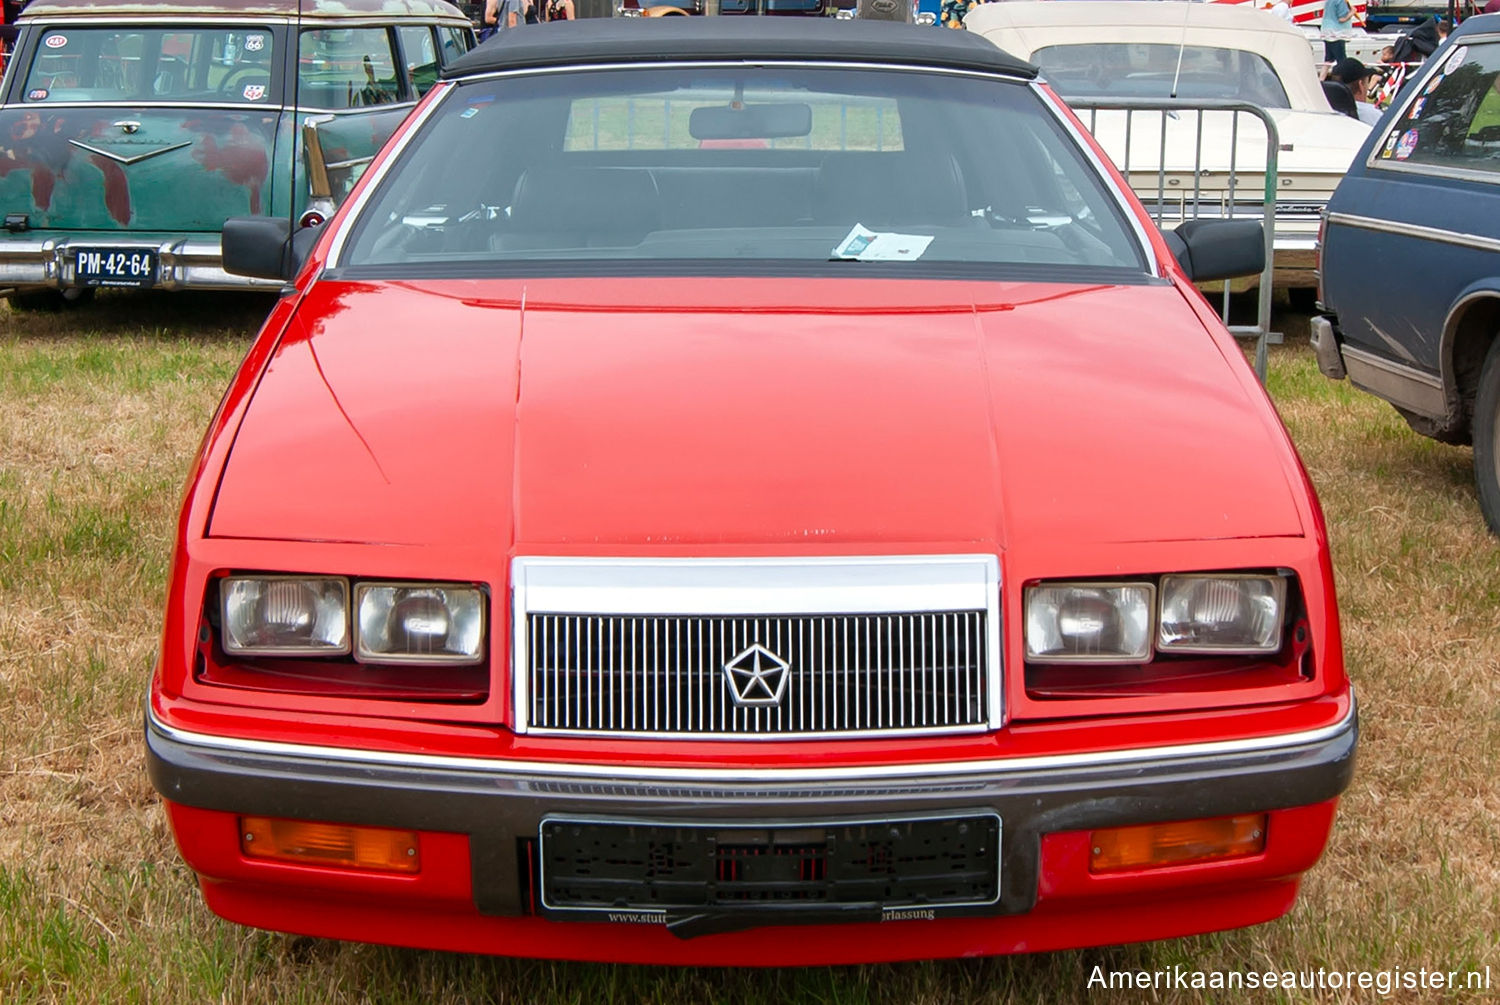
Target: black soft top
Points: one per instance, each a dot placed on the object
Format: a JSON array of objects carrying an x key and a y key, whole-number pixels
[{"x": 821, "y": 39}]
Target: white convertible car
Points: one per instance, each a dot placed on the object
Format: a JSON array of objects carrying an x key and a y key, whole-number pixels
[{"x": 1105, "y": 51}]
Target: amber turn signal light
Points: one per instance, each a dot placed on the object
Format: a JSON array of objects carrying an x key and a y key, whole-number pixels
[
  {"x": 1179, "y": 843},
  {"x": 340, "y": 845}
]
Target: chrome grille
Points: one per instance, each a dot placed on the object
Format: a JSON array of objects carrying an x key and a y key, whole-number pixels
[{"x": 917, "y": 672}]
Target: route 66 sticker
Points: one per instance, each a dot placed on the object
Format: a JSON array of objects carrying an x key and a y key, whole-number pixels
[
  {"x": 255, "y": 43},
  {"x": 1390, "y": 146},
  {"x": 254, "y": 92}
]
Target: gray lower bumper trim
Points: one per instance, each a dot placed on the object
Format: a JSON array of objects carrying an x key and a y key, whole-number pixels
[{"x": 501, "y": 803}]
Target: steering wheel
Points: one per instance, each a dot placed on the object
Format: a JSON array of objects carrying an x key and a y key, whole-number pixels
[{"x": 231, "y": 79}]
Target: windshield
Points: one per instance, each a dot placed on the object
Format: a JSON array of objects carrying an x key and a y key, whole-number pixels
[
  {"x": 1150, "y": 70},
  {"x": 172, "y": 64},
  {"x": 789, "y": 165}
]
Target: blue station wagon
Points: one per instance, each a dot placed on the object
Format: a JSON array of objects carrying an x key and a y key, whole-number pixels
[{"x": 1410, "y": 275}]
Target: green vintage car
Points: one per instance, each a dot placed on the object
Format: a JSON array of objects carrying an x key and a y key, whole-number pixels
[{"x": 131, "y": 129}]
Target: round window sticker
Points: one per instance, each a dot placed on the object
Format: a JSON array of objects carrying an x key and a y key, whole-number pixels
[
  {"x": 37, "y": 94},
  {"x": 1406, "y": 144},
  {"x": 255, "y": 43},
  {"x": 56, "y": 41},
  {"x": 1456, "y": 60},
  {"x": 1432, "y": 85}
]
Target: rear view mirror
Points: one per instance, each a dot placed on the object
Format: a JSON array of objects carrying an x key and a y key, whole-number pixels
[
  {"x": 265, "y": 247},
  {"x": 1218, "y": 249},
  {"x": 750, "y": 122}
]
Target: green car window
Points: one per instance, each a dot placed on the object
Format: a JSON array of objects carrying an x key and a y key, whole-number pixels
[
  {"x": 420, "y": 53},
  {"x": 155, "y": 64},
  {"x": 346, "y": 68}
]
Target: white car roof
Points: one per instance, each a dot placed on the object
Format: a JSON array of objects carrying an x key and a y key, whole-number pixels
[{"x": 1021, "y": 28}]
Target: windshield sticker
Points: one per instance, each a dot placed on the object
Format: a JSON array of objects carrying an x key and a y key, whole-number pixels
[
  {"x": 1456, "y": 60},
  {"x": 255, "y": 43},
  {"x": 863, "y": 245},
  {"x": 1407, "y": 144},
  {"x": 254, "y": 92},
  {"x": 1416, "y": 108},
  {"x": 37, "y": 94},
  {"x": 56, "y": 41},
  {"x": 1390, "y": 145}
]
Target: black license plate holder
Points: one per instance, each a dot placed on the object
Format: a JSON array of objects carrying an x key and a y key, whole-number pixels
[
  {"x": 130, "y": 267},
  {"x": 643, "y": 870}
]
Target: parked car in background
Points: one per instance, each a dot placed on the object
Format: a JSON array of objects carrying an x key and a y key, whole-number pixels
[
  {"x": 1123, "y": 51},
  {"x": 1304, "y": 12},
  {"x": 1409, "y": 263},
  {"x": 720, "y": 475},
  {"x": 130, "y": 132},
  {"x": 679, "y": 8}
]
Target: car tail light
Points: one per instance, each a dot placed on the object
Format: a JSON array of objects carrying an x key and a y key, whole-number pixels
[
  {"x": 375, "y": 849},
  {"x": 1182, "y": 842}
]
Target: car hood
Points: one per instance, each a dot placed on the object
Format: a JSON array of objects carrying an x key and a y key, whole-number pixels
[{"x": 751, "y": 414}]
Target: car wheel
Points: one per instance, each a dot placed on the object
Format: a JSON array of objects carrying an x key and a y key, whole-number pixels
[
  {"x": 1486, "y": 435},
  {"x": 48, "y": 299}
]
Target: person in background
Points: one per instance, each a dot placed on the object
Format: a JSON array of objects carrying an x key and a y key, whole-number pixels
[
  {"x": 498, "y": 16},
  {"x": 1336, "y": 29},
  {"x": 1340, "y": 98},
  {"x": 1360, "y": 80},
  {"x": 560, "y": 10}
]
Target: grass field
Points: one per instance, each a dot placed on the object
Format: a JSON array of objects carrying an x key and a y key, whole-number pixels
[{"x": 100, "y": 410}]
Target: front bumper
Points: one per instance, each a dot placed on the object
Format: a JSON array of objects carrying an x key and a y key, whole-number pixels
[
  {"x": 185, "y": 261},
  {"x": 482, "y": 818}
]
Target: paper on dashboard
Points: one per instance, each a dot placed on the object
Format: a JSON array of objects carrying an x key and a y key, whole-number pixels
[{"x": 866, "y": 245}]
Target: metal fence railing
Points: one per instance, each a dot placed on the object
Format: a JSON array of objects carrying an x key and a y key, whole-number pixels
[{"x": 1198, "y": 159}]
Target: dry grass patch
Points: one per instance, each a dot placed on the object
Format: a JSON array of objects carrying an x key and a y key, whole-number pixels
[{"x": 100, "y": 411}]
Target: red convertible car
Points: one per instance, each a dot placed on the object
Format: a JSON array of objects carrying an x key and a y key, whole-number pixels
[{"x": 748, "y": 492}]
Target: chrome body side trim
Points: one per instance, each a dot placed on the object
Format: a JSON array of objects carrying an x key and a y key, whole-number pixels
[
  {"x": 1407, "y": 386},
  {"x": 943, "y": 772},
  {"x": 1476, "y": 241}
]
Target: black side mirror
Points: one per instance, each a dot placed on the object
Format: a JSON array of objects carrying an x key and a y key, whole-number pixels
[
  {"x": 1218, "y": 249},
  {"x": 265, "y": 247}
]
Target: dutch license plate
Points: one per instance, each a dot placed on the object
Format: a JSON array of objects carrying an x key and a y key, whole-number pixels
[{"x": 116, "y": 267}]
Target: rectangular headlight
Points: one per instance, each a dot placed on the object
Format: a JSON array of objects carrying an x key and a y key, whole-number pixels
[
  {"x": 285, "y": 615},
  {"x": 1093, "y": 622},
  {"x": 1221, "y": 613},
  {"x": 419, "y": 623}
]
